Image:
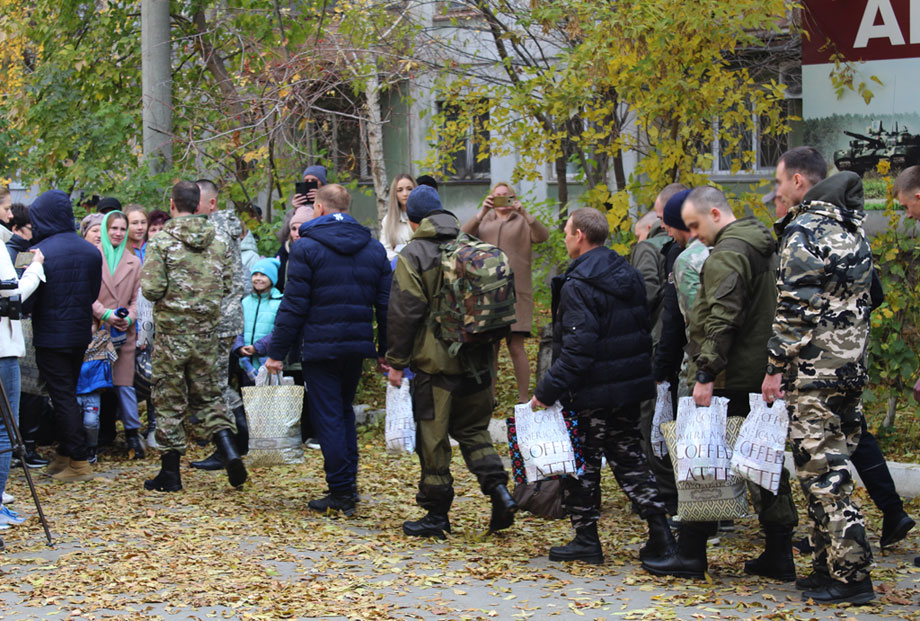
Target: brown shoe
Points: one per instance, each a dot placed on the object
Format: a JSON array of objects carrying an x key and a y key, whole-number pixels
[
  {"x": 58, "y": 463},
  {"x": 75, "y": 471}
]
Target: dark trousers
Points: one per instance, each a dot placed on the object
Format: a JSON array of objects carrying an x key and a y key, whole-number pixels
[
  {"x": 873, "y": 470},
  {"x": 614, "y": 433},
  {"x": 35, "y": 419},
  {"x": 332, "y": 385},
  {"x": 60, "y": 369}
]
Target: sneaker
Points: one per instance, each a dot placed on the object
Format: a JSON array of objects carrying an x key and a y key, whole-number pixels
[
  {"x": 312, "y": 443},
  {"x": 10, "y": 517},
  {"x": 151, "y": 439},
  {"x": 8, "y": 499},
  {"x": 4, "y": 526}
]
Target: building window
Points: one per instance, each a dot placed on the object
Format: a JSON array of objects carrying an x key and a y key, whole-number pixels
[
  {"x": 469, "y": 159},
  {"x": 728, "y": 152},
  {"x": 341, "y": 142}
]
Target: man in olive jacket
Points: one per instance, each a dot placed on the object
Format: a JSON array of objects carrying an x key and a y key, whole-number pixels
[
  {"x": 450, "y": 394},
  {"x": 728, "y": 330}
]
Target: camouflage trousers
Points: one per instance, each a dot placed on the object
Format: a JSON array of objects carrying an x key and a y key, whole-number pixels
[
  {"x": 824, "y": 428},
  {"x": 185, "y": 381},
  {"x": 232, "y": 398},
  {"x": 613, "y": 433},
  {"x": 456, "y": 406}
]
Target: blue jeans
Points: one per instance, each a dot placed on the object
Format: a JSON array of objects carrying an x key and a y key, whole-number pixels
[
  {"x": 331, "y": 385},
  {"x": 9, "y": 375},
  {"x": 89, "y": 404},
  {"x": 127, "y": 404}
]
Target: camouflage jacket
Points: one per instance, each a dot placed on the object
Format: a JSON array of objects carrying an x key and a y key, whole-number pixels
[
  {"x": 228, "y": 229},
  {"x": 821, "y": 329},
  {"x": 686, "y": 274},
  {"x": 411, "y": 333},
  {"x": 731, "y": 319},
  {"x": 186, "y": 273}
]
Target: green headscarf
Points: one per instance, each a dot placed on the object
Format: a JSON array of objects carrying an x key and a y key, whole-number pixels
[{"x": 112, "y": 254}]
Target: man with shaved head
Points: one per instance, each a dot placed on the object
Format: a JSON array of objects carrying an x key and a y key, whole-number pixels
[{"x": 728, "y": 328}]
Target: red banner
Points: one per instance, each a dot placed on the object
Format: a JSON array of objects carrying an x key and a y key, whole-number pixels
[{"x": 860, "y": 30}]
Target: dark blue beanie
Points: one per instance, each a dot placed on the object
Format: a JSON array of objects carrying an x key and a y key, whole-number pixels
[
  {"x": 672, "y": 209},
  {"x": 421, "y": 202},
  {"x": 317, "y": 171}
]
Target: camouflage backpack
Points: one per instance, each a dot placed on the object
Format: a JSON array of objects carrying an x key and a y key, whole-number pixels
[{"x": 475, "y": 303}]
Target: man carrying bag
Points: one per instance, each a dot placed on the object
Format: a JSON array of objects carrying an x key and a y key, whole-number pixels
[{"x": 602, "y": 370}]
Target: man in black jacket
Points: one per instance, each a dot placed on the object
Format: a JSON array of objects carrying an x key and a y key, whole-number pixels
[
  {"x": 602, "y": 370},
  {"x": 62, "y": 319}
]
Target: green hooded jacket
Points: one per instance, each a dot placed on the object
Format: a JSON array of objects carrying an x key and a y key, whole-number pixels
[
  {"x": 187, "y": 272},
  {"x": 411, "y": 335},
  {"x": 732, "y": 318}
]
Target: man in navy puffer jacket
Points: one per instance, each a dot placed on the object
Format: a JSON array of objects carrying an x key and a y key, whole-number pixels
[
  {"x": 602, "y": 369},
  {"x": 62, "y": 319},
  {"x": 338, "y": 279}
]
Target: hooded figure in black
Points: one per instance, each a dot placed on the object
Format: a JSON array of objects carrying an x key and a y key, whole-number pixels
[
  {"x": 62, "y": 320},
  {"x": 602, "y": 370}
]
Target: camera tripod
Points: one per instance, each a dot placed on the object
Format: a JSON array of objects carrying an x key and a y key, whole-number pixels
[{"x": 18, "y": 450}]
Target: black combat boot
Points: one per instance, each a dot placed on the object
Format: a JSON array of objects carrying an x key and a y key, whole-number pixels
[
  {"x": 242, "y": 430},
  {"x": 660, "y": 540},
  {"x": 814, "y": 581},
  {"x": 212, "y": 462},
  {"x": 776, "y": 561},
  {"x": 585, "y": 547},
  {"x": 133, "y": 440},
  {"x": 169, "y": 479},
  {"x": 836, "y": 592},
  {"x": 226, "y": 446},
  {"x": 895, "y": 526},
  {"x": 688, "y": 562},
  {"x": 432, "y": 525},
  {"x": 503, "y": 509},
  {"x": 343, "y": 501}
]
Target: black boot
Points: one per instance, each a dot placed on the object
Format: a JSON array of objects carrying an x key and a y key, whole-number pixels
[
  {"x": 895, "y": 526},
  {"x": 134, "y": 443},
  {"x": 688, "y": 562},
  {"x": 776, "y": 560},
  {"x": 33, "y": 459},
  {"x": 503, "y": 509},
  {"x": 432, "y": 525},
  {"x": 585, "y": 547},
  {"x": 660, "y": 540},
  {"x": 169, "y": 479},
  {"x": 335, "y": 501},
  {"x": 226, "y": 446},
  {"x": 212, "y": 462},
  {"x": 242, "y": 430},
  {"x": 836, "y": 592},
  {"x": 817, "y": 579}
]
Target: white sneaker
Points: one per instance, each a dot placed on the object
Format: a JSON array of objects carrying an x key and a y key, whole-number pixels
[
  {"x": 311, "y": 443},
  {"x": 151, "y": 440},
  {"x": 8, "y": 499}
]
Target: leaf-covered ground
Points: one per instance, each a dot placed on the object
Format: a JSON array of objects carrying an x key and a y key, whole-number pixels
[{"x": 210, "y": 551}]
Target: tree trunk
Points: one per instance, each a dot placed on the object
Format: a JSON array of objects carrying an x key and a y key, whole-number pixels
[
  {"x": 375, "y": 144},
  {"x": 156, "y": 84},
  {"x": 892, "y": 411},
  {"x": 562, "y": 184}
]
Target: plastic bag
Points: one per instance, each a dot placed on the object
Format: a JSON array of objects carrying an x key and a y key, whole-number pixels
[
  {"x": 702, "y": 452},
  {"x": 759, "y": 452},
  {"x": 544, "y": 441},
  {"x": 400, "y": 423},
  {"x": 273, "y": 408},
  {"x": 664, "y": 413}
]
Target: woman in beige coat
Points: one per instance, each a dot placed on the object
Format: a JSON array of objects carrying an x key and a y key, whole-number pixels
[
  {"x": 121, "y": 275},
  {"x": 504, "y": 222}
]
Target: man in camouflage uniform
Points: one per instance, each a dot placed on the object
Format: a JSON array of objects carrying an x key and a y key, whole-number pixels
[
  {"x": 728, "y": 330},
  {"x": 602, "y": 371},
  {"x": 186, "y": 273},
  {"x": 228, "y": 230},
  {"x": 819, "y": 350},
  {"x": 450, "y": 394}
]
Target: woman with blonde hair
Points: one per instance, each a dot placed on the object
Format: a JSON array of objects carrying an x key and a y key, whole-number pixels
[
  {"x": 394, "y": 229},
  {"x": 504, "y": 222}
]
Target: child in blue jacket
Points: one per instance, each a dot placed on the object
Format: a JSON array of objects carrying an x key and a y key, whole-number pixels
[{"x": 259, "y": 310}]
